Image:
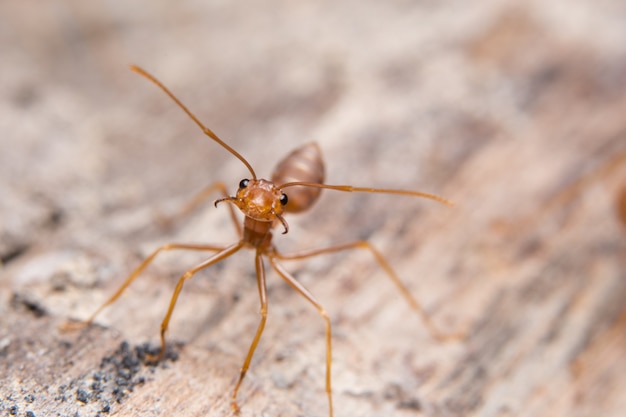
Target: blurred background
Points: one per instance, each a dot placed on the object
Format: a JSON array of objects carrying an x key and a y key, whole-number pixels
[{"x": 513, "y": 110}]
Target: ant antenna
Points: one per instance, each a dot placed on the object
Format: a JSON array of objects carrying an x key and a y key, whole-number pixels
[
  {"x": 351, "y": 189},
  {"x": 205, "y": 129}
]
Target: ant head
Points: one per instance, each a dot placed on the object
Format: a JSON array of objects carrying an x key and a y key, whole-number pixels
[{"x": 260, "y": 200}]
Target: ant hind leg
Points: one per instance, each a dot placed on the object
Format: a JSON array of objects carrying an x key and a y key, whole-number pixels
[{"x": 167, "y": 220}]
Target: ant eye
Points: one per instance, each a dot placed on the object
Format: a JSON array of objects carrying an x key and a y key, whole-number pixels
[
  {"x": 243, "y": 183},
  {"x": 283, "y": 199}
]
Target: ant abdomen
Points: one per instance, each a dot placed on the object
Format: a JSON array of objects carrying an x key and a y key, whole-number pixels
[{"x": 304, "y": 164}]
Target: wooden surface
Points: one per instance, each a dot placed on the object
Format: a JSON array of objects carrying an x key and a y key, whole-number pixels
[{"x": 515, "y": 112}]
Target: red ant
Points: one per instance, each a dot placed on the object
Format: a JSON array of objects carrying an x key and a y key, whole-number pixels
[{"x": 264, "y": 204}]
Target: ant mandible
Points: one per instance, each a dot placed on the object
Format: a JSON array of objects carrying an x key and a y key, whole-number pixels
[{"x": 264, "y": 204}]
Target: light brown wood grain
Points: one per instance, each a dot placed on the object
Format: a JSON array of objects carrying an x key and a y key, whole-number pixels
[{"x": 514, "y": 113}]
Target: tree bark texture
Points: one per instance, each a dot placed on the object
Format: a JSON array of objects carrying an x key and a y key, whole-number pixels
[{"x": 514, "y": 111}]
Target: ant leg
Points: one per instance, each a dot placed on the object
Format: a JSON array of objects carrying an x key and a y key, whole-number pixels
[
  {"x": 260, "y": 275},
  {"x": 309, "y": 297},
  {"x": 135, "y": 274},
  {"x": 223, "y": 254},
  {"x": 415, "y": 305},
  {"x": 198, "y": 199}
]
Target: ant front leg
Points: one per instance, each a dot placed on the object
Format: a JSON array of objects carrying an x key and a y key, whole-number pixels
[
  {"x": 260, "y": 275},
  {"x": 435, "y": 332},
  {"x": 220, "y": 256},
  {"x": 300, "y": 289},
  {"x": 170, "y": 246}
]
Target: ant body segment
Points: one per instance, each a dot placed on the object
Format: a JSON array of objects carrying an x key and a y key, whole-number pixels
[{"x": 294, "y": 186}]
